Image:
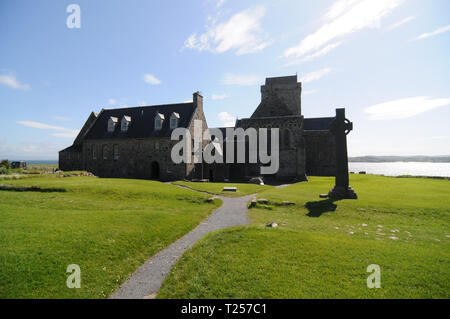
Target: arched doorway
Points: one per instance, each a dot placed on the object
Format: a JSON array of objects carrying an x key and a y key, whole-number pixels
[{"x": 155, "y": 170}]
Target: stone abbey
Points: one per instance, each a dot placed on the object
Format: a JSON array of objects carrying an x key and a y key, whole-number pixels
[{"x": 136, "y": 142}]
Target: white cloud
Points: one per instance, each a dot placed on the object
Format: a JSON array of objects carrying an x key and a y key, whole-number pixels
[
  {"x": 65, "y": 132},
  {"x": 442, "y": 137},
  {"x": 404, "y": 108},
  {"x": 113, "y": 102},
  {"x": 220, "y": 3},
  {"x": 338, "y": 8},
  {"x": 316, "y": 54},
  {"x": 241, "y": 33},
  {"x": 12, "y": 82},
  {"x": 27, "y": 150},
  {"x": 401, "y": 22},
  {"x": 226, "y": 119},
  {"x": 309, "y": 77},
  {"x": 433, "y": 33},
  {"x": 308, "y": 92},
  {"x": 243, "y": 80},
  {"x": 344, "y": 18},
  {"x": 219, "y": 96},
  {"x": 60, "y": 118},
  {"x": 151, "y": 79}
]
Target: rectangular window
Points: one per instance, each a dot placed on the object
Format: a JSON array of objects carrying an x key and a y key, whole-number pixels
[
  {"x": 105, "y": 151},
  {"x": 94, "y": 155},
  {"x": 116, "y": 151}
]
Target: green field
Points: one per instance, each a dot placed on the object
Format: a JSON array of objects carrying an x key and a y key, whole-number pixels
[
  {"x": 109, "y": 227},
  {"x": 322, "y": 248},
  {"x": 217, "y": 188}
]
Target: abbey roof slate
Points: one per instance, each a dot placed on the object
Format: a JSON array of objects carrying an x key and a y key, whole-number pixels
[
  {"x": 142, "y": 121},
  {"x": 271, "y": 106}
]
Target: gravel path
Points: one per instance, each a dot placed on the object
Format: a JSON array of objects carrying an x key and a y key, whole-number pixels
[{"x": 147, "y": 280}]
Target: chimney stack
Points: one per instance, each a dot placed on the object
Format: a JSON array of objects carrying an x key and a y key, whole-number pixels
[{"x": 198, "y": 100}]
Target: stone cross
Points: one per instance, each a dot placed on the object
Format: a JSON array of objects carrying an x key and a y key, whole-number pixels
[{"x": 340, "y": 128}]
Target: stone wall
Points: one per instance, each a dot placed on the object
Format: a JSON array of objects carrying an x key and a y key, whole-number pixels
[
  {"x": 292, "y": 150},
  {"x": 320, "y": 149},
  {"x": 137, "y": 158},
  {"x": 194, "y": 171},
  {"x": 70, "y": 160},
  {"x": 289, "y": 93}
]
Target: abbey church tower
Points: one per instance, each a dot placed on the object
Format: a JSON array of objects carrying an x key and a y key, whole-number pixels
[{"x": 287, "y": 89}]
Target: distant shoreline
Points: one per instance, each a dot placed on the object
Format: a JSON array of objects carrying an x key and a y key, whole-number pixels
[
  {"x": 38, "y": 162},
  {"x": 393, "y": 159}
]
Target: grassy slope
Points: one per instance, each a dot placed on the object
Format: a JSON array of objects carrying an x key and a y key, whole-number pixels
[
  {"x": 107, "y": 226},
  {"x": 323, "y": 251},
  {"x": 216, "y": 188}
]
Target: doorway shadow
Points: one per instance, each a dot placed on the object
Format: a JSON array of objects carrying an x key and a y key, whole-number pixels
[{"x": 317, "y": 208}]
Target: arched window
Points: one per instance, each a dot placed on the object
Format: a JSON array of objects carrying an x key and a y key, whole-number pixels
[{"x": 159, "y": 118}]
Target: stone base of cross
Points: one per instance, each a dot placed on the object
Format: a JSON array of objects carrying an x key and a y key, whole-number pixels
[{"x": 341, "y": 192}]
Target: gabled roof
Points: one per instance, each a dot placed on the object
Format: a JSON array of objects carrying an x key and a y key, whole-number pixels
[
  {"x": 271, "y": 106},
  {"x": 143, "y": 121},
  {"x": 72, "y": 148},
  {"x": 318, "y": 123}
]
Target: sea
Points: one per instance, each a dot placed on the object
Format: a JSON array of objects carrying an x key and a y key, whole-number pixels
[{"x": 401, "y": 168}]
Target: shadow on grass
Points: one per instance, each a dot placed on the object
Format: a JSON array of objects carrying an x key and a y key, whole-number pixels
[
  {"x": 317, "y": 208},
  {"x": 12, "y": 188}
]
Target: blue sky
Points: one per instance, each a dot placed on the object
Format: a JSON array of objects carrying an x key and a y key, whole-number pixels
[{"x": 387, "y": 62}]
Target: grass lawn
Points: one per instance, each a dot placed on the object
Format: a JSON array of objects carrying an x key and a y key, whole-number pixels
[
  {"x": 43, "y": 165},
  {"x": 109, "y": 227},
  {"x": 216, "y": 188},
  {"x": 321, "y": 248}
]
